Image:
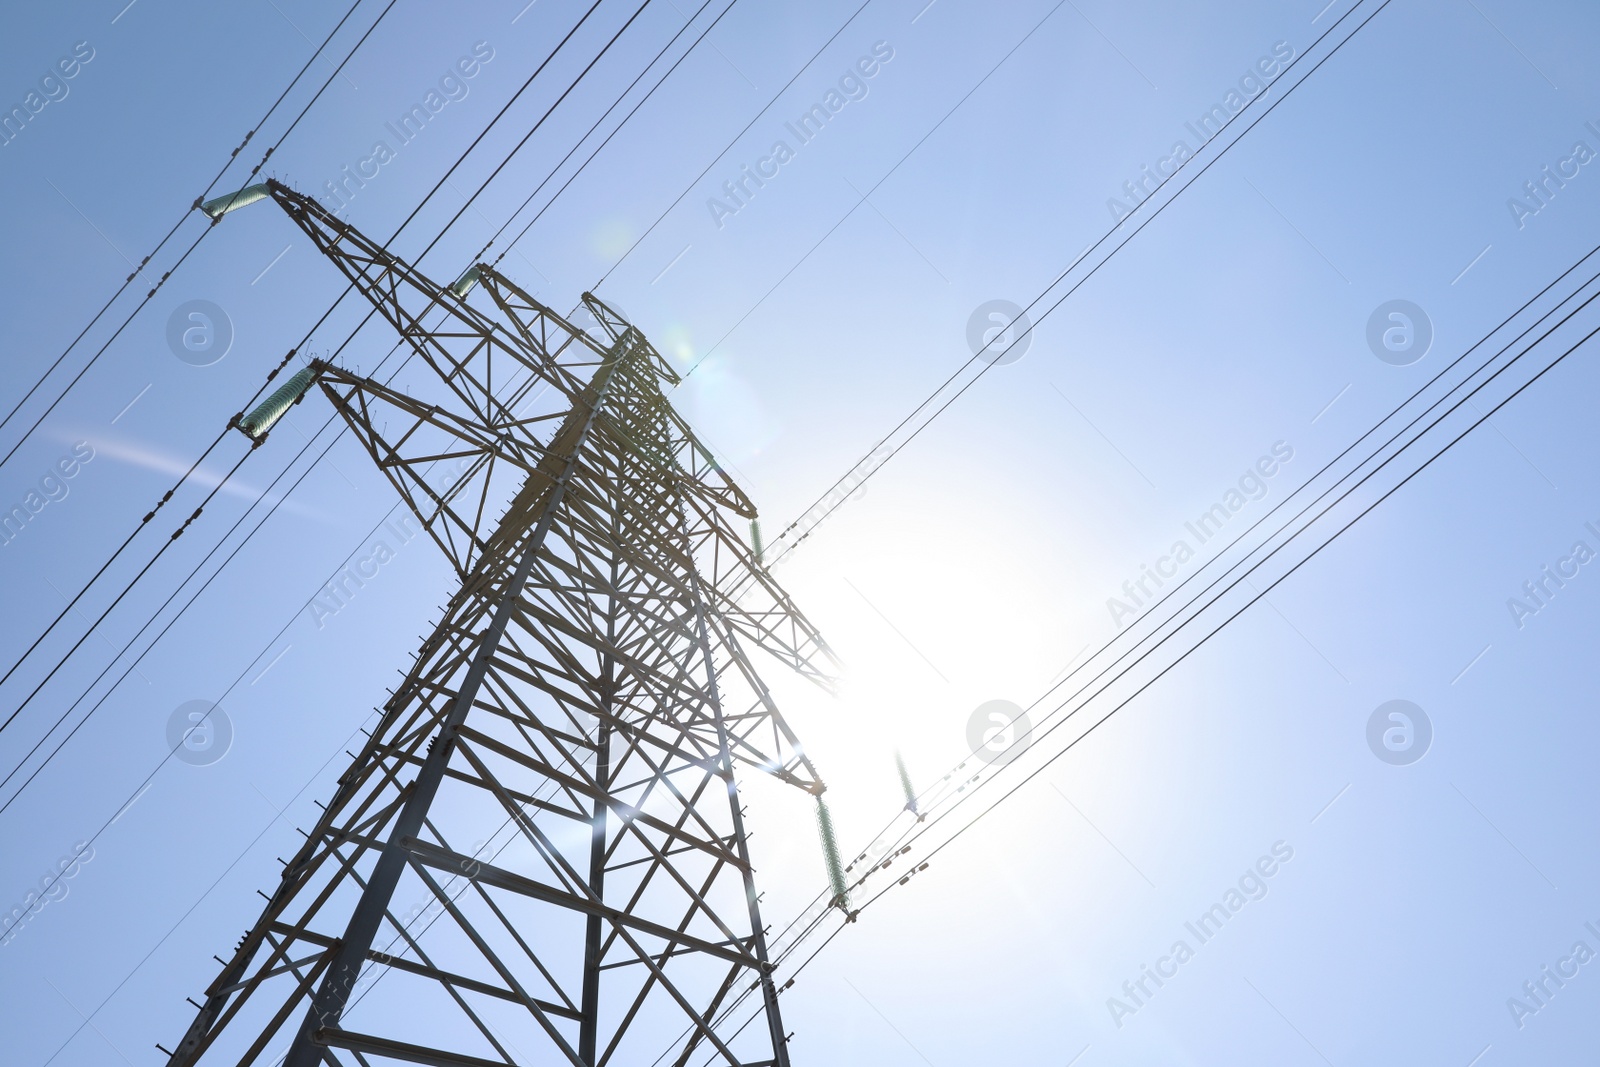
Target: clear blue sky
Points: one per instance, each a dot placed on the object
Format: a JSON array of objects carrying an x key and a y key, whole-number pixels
[{"x": 1419, "y": 898}]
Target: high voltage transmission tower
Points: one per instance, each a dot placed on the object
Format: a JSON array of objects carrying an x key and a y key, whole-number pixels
[{"x": 539, "y": 856}]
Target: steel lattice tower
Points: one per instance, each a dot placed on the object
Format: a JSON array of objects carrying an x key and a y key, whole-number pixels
[{"x": 552, "y": 785}]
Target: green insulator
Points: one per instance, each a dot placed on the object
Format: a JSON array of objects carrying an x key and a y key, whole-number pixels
[
  {"x": 830, "y": 852},
  {"x": 756, "y": 547},
  {"x": 463, "y": 285},
  {"x": 905, "y": 784},
  {"x": 234, "y": 201},
  {"x": 269, "y": 411}
]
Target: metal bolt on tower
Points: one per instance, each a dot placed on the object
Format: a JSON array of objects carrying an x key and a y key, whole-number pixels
[{"x": 539, "y": 855}]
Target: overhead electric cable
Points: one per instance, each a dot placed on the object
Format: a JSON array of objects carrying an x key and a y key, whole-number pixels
[
  {"x": 1030, "y": 305},
  {"x": 916, "y": 831},
  {"x": 788, "y": 545},
  {"x": 195, "y": 244},
  {"x": 325, "y": 425},
  {"x": 140, "y": 632},
  {"x": 303, "y": 341},
  {"x": 453, "y": 167},
  {"x": 1260, "y": 594},
  {"x": 126, "y": 590},
  {"x": 1173, "y": 592},
  {"x": 562, "y": 189},
  {"x": 688, "y": 188},
  {"x": 436, "y": 188},
  {"x": 618, "y": 129}
]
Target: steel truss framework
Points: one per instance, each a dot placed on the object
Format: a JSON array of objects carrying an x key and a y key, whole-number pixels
[{"x": 539, "y": 855}]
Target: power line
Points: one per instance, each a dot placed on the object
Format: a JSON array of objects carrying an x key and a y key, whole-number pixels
[
  {"x": 1221, "y": 554},
  {"x": 168, "y": 543},
  {"x": 524, "y": 140},
  {"x": 917, "y": 830},
  {"x": 308, "y": 445},
  {"x": 886, "y": 176},
  {"x": 86, "y": 1019},
  {"x": 176, "y": 226},
  {"x": 613, "y": 133},
  {"x": 1295, "y": 567},
  {"x": 455, "y": 218},
  {"x": 168, "y": 495},
  {"x": 1165, "y": 596},
  {"x": 861, "y": 464},
  {"x": 303, "y": 341},
  {"x": 525, "y": 229},
  {"x": 140, "y": 632},
  {"x": 688, "y": 188},
  {"x": 525, "y": 202}
]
